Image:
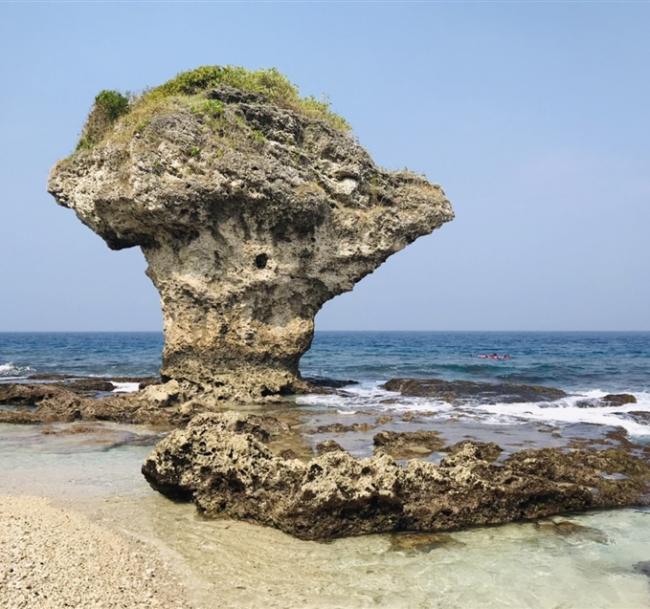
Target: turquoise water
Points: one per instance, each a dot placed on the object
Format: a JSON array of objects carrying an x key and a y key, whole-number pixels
[{"x": 594, "y": 564}]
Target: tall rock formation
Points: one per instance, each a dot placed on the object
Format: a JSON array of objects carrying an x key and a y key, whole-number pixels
[{"x": 253, "y": 207}]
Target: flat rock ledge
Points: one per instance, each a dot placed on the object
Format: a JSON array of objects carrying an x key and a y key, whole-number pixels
[
  {"x": 26, "y": 403},
  {"x": 456, "y": 392},
  {"x": 168, "y": 404},
  {"x": 222, "y": 462}
]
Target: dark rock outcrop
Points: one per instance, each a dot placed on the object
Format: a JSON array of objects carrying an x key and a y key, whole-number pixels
[
  {"x": 90, "y": 385},
  {"x": 462, "y": 391},
  {"x": 619, "y": 399},
  {"x": 611, "y": 399},
  {"x": 25, "y": 394},
  {"x": 224, "y": 467},
  {"x": 251, "y": 213},
  {"x": 327, "y": 383}
]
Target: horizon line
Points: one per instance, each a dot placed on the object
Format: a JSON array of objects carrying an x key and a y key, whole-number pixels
[{"x": 326, "y": 330}]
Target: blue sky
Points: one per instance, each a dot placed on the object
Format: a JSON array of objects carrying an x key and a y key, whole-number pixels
[{"x": 535, "y": 118}]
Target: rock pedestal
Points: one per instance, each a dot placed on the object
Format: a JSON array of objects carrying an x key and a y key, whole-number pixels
[{"x": 250, "y": 218}]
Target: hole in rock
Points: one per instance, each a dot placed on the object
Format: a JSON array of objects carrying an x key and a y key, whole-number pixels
[{"x": 261, "y": 260}]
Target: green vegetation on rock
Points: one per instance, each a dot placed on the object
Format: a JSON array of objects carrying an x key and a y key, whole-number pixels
[
  {"x": 269, "y": 83},
  {"x": 188, "y": 89},
  {"x": 108, "y": 107}
]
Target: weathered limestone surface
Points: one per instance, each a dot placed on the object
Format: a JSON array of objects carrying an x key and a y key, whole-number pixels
[
  {"x": 247, "y": 228},
  {"x": 223, "y": 464}
]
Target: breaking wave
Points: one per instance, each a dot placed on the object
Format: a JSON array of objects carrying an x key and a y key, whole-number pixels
[
  {"x": 566, "y": 411},
  {"x": 11, "y": 371}
]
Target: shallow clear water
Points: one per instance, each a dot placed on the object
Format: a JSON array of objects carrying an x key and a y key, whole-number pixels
[{"x": 230, "y": 564}]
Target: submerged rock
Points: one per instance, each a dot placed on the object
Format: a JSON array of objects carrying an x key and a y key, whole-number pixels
[
  {"x": 220, "y": 464},
  {"x": 566, "y": 528},
  {"x": 642, "y": 567},
  {"x": 405, "y": 444},
  {"x": 253, "y": 208},
  {"x": 461, "y": 391},
  {"x": 638, "y": 416},
  {"x": 328, "y": 446},
  {"x": 342, "y": 428},
  {"x": 420, "y": 543}
]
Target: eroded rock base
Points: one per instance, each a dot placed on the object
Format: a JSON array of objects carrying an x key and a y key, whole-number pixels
[{"x": 223, "y": 462}]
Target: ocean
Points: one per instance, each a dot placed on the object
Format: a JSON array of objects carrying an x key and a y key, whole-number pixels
[{"x": 585, "y": 364}]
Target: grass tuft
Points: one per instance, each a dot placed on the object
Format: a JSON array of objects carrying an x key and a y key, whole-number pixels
[{"x": 108, "y": 107}]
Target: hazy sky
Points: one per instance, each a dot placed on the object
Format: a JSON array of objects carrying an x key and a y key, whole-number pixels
[{"x": 534, "y": 118}]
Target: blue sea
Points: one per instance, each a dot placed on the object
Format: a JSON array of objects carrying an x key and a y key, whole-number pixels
[
  {"x": 613, "y": 361},
  {"x": 585, "y": 364}
]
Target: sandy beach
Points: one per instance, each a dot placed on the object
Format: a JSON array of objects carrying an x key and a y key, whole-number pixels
[{"x": 52, "y": 558}]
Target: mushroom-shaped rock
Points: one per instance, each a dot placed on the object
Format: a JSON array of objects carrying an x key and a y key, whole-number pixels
[{"x": 253, "y": 207}]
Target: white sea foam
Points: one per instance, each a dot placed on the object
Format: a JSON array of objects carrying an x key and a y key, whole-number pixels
[
  {"x": 10, "y": 371},
  {"x": 370, "y": 396},
  {"x": 568, "y": 411},
  {"x": 125, "y": 387}
]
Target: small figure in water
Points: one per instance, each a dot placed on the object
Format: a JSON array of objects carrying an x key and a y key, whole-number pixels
[{"x": 495, "y": 356}]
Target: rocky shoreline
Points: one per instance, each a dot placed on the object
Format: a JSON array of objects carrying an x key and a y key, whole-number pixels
[
  {"x": 223, "y": 463},
  {"x": 291, "y": 468}
]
